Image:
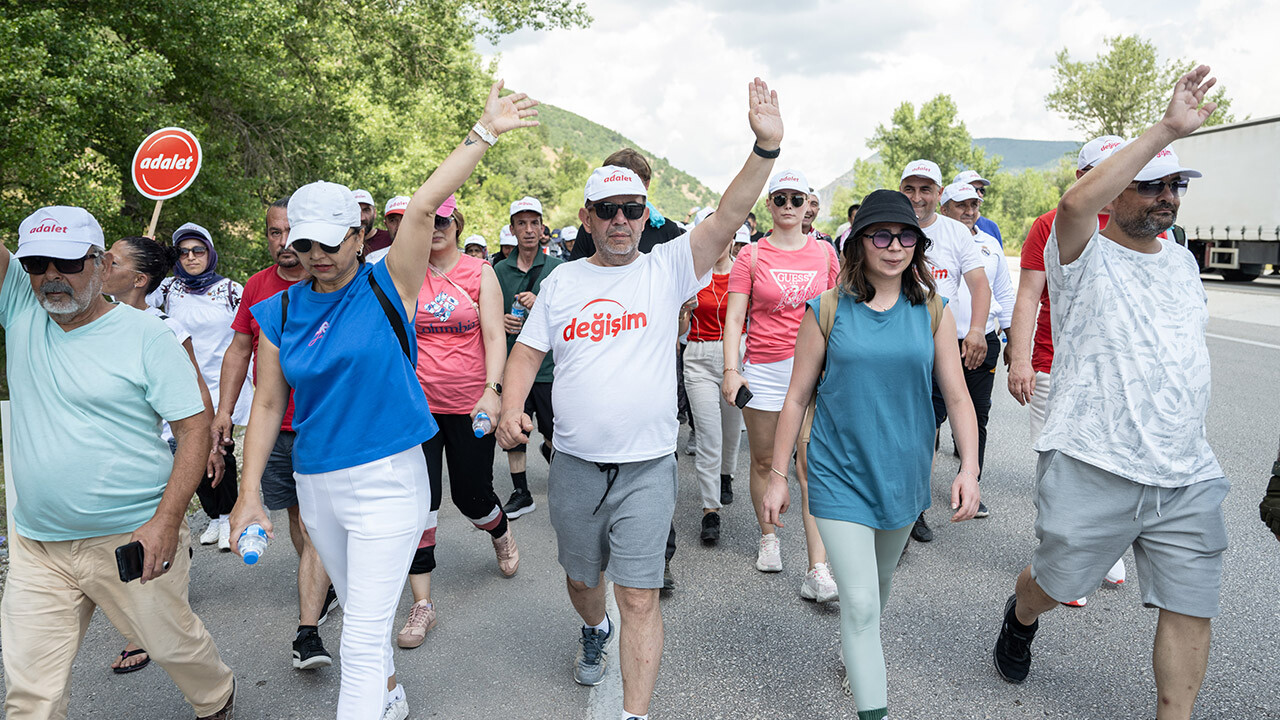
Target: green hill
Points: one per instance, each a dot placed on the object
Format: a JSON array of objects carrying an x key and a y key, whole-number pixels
[{"x": 672, "y": 190}]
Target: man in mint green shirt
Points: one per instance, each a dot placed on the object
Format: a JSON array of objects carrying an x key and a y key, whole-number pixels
[{"x": 90, "y": 382}]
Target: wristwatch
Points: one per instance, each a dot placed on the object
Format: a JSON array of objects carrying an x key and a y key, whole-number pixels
[{"x": 496, "y": 387}]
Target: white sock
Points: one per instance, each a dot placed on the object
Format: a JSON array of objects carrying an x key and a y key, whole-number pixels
[
  {"x": 395, "y": 695},
  {"x": 602, "y": 627},
  {"x": 634, "y": 716}
]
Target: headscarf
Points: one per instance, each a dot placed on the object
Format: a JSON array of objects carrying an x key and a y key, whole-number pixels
[{"x": 197, "y": 284}]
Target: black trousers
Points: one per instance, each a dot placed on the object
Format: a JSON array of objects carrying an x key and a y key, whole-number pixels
[
  {"x": 470, "y": 462},
  {"x": 980, "y": 382},
  {"x": 218, "y": 501}
]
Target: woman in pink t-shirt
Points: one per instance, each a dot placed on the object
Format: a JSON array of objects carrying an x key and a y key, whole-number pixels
[
  {"x": 461, "y": 351},
  {"x": 769, "y": 285}
]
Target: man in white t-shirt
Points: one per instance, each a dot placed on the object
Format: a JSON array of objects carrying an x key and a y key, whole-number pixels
[
  {"x": 1124, "y": 460},
  {"x": 953, "y": 257},
  {"x": 611, "y": 322}
]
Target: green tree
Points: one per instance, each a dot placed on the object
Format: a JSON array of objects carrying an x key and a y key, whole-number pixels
[
  {"x": 935, "y": 133},
  {"x": 1123, "y": 91}
]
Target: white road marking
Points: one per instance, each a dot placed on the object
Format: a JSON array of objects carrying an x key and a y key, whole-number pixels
[
  {"x": 1242, "y": 340},
  {"x": 605, "y": 702}
]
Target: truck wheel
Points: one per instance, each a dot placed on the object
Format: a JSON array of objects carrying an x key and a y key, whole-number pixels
[{"x": 1246, "y": 273}]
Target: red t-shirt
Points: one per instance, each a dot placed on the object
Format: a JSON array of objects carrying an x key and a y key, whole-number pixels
[
  {"x": 706, "y": 322},
  {"x": 450, "y": 343},
  {"x": 261, "y": 286},
  {"x": 1033, "y": 259}
]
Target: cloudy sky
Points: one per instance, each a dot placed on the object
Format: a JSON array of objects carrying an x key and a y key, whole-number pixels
[{"x": 672, "y": 74}]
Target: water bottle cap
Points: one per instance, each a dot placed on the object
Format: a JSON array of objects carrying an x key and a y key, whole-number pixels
[{"x": 250, "y": 557}]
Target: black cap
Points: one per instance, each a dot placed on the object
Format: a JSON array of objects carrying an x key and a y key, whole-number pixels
[{"x": 884, "y": 206}]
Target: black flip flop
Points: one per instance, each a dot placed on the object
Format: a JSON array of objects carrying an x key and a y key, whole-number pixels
[{"x": 125, "y": 655}]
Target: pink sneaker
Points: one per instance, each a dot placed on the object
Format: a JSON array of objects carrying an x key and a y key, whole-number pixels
[{"x": 422, "y": 617}]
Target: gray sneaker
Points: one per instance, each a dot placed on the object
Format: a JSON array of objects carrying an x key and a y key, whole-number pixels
[{"x": 592, "y": 658}]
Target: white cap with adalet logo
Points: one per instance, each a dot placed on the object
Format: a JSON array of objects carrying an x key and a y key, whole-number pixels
[
  {"x": 788, "y": 180},
  {"x": 323, "y": 212},
  {"x": 526, "y": 204},
  {"x": 743, "y": 236},
  {"x": 1164, "y": 163},
  {"x": 610, "y": 181},
  {"x": 1096, "y": 149},
  {"x": 395, "y": 206},
  {"x": 959, "y": 191},
  {"x": 970, "y": 176},
  {"x": 505, "y": 238},
  {"x": 59, "y": 231},
  {"x": 927, "y": 169},
  {"x": 474, "y": 240},
  {"x": 364, "y": 197}
]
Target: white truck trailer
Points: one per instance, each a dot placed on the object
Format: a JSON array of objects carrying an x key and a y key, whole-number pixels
[{"x": 1232, "y": 215}]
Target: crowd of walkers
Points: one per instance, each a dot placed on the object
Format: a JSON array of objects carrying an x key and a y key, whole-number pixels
[{"x": 380, "y": 357}]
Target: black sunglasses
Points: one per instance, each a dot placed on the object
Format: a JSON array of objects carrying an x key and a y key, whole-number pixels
[
  {"x": 1154, "y": 188},
  {"x": 780, "y": 200},
  {"x": 443, "y": 222},
  {"x": 303, "y": 245},
  {"x": 608, "y": 210},
  {"x": 883, "y": 238},
  {"x": 39, "y": 264},
  {"x": 196, "y": 250}
]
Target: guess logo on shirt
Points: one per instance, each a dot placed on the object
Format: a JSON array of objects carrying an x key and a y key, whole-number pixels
[
  {"x": 794, "y": 286},
  {"x": 606, "y": 321}
]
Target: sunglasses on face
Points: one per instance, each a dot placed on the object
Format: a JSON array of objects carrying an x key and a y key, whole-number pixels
[
  {"x": 304, "y": 245},
  {"x": 630, "y": 211},
  {"x": 198, "y": 251},
  {"x": 443, "y": 222},
  {"x": 38, "y": 264},
  {"x": 982, "y": 191},
  {"x": 1154, "y": 188},
  {"x": 883, "y": 238},
  {"x": 780, "y": 200}
]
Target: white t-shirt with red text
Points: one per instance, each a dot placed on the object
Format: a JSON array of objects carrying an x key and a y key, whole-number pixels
[
  {"x": 613, "y": 332},
  {"x": 952, "y": 254}
]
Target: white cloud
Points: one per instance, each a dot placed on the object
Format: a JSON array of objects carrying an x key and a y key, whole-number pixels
[{"x": 672, "y": 75}]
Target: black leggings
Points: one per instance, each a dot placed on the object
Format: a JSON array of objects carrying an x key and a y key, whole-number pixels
[
  {"x": 470, "y": 482},
  {"x": 218, "y": 501}
]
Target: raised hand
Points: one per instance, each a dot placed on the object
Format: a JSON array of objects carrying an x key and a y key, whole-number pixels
[
  {"x": 763, "y": 115},
  {"x": 1185, "y": 114},
  {"x": 502, "y": 114}
]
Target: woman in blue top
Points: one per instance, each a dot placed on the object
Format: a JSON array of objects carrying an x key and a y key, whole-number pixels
[
  {"x": 343, "y": 342},
  {"x": 872, "y": 439}
]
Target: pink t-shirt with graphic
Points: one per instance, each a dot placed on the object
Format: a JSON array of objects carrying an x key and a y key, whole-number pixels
[
  {"x": 450, "y": 345},
  {"x": 784, "y": 280}
]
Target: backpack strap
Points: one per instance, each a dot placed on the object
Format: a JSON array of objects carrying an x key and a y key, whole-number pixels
[
  {"x": 935, "y": 312},
  {"x": 828, "y": 301},
  {"x": 392, "y": 316},
  {"x": 284, "y": 310}
]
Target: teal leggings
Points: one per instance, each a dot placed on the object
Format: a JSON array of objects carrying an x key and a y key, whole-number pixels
[{"x": 862, "y": 560}]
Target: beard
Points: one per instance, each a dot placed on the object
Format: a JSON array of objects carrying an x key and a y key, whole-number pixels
[
  {"x": 287, "y": 259},
  {"x": 1145, "y": 225},
  {"x": 75, "y": 303},
  {"x": 605, "y": 248},
  {"x": 368, "y": 227}
]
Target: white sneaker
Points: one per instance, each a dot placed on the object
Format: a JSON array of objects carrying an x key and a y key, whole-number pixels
[
  {"x": 1115, "y": 575},
  {"x": 1077, "y": 603},
  {"x": 224, "y": 533},
  {"x": 818, "y": 585},
  {"x": 397, "y": 707},
  {"x": 210, "y": 535},
  {"x": 769, "y": 556}
]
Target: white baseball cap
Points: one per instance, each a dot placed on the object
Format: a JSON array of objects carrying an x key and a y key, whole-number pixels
[
  {"x": 959, "y": 191},
  {"x": 743, "y": 236},
  {"x": 927, "y": 169},
  {"x": 396, "y": 205},
  {"x": 612, "y": 180},
  {"x": 703, "y": 214},
  {"x": 788, "y": 180},
  {"x": 970, "y": 176},
  {"x": 363, "y": 197},
  {"x": 505, "y": 238},
  {"x": 190, "y": 229},
  {"x": 323, "y": 212},
  {"x": 475, "y": 240},
  {"x": 568, "y": 232},
  {"x": 526, "y": 204},
  {"x": 1096, "y": 149},
  {"x": 59, "y": 231},
  {"x": 1164, "y": 163}
]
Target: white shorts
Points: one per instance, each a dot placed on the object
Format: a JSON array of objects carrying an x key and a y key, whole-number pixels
[
  {"x": 1039, "y": 405},
  {"x": 768, "y": 384}
]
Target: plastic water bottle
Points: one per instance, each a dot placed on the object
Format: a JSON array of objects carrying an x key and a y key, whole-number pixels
[
  {"x": 481, "y": 425},
  {"x": 518, "y": 310},
  {"x": 253, "y": 542}
]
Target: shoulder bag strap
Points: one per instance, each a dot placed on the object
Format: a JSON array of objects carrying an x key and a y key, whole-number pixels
[
  {"x": 392, "y": 316},
  {"x": 935, "y": 312},
  {"x": 828, "y": 301}
]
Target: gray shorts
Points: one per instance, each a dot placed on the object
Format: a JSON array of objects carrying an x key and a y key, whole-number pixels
[
  {"x": 279, "y": 489},
  {"x": 626, "y": 537},
  {"x": 1087, "y": 517}
]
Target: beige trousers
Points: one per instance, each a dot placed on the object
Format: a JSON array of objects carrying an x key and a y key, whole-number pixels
[{"x": 49, "y": 597}]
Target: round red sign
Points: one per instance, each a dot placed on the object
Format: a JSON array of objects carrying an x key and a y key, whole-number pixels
[{"x": 166, "y": 163}]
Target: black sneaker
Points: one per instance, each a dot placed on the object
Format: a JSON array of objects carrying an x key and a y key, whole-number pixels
[
  {"x": 711, "y": 528},
  {"x": 921, "y": 531},
  {"x": 982, "y": 510},
  {"x": 726, "y": 489},
  {"x": 330, "y": 602},
  {"x": 309, "y": 652},
  {"x": 668, "y": 580},
  {"x": 1012, "y": 653},
  {"x": 521, "y": 503}
]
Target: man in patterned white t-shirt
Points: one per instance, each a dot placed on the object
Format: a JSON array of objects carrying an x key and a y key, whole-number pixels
[{"x": 1124, "y": 460}]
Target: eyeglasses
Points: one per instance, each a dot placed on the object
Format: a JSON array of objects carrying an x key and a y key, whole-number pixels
[
  {"x": 630, "y": 211},
  {"x": 196, "y": 250},
  {"x": 982, "y": 191},
  {"x": 442, "y": 222},
  {"x": 38, "y": 264},
  {"x": 780, "y": 200},
  {"x": 303, "y": 245},
  {"x": 1154, "y": 188},
  {"x": 883, "y": 238}
]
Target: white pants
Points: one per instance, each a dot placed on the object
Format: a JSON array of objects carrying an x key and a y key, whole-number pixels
[
  {"x": 1039, "y": 405},
  {"x": 365, "y": 522},
  {"x": 717, "y": 452}
]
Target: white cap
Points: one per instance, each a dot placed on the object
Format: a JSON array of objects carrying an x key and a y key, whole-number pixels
[
  {"x": 323, "y": 212},
  {"x": 970, "y": 176},
  {"x": 923, "y": 168},
  {"x": 59, "y": 231},
  {"x": 396, "y": 205},
  {"x": 475, "y": 240},
  {"x": 364, "y": 198},
  {"x": 788, "y": 180},
  {"x": 959, "y": 191},
  {"x": 526, "y": 204},
  {"x": 703, "y": 214},
  {"x": 612, "y": 180},
  {"x": 505, "y": 238},
  {"x": 568, "y": 232},
  {"x": 1164, "y": 163},
  {"x": 743, "y": 236},
  {"x": 189, "y": 229},
  {"x": 1096, "y": 149}
]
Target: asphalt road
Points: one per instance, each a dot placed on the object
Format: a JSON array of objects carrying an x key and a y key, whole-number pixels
[{"x": 742, "y": 644}]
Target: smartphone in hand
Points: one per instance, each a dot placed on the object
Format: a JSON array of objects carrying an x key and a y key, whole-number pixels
[
  {"x": 743, "y": 397},
  {"x": 129, "y": 561}
]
